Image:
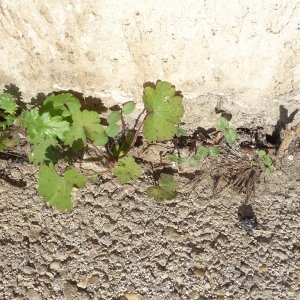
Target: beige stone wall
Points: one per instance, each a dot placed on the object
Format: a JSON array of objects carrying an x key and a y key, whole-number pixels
[{"x": 247, "y": 52}]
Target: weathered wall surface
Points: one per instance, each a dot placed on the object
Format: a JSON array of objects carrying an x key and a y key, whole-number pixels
[{"x": 246, "y": 51}]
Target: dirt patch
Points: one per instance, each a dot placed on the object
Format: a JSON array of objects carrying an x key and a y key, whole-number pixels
[{"x": 231, "y": 233}]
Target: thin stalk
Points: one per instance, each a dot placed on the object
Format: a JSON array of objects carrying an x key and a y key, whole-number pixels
[
  {"x": 136, "y": 134},
  {"x": 101, "y": 154}
]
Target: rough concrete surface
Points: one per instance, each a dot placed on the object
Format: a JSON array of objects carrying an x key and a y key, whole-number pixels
[
  {"x": 117, "y": 243},
  {"x": 246, "y": 51}
]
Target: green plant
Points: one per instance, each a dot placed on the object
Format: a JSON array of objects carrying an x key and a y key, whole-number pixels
[
  {"x": 202, "y": 152},
  {"x": 229, "y": 133},
  {"x": 266, "y": 160},
  {"x": 60, "y": 128}
]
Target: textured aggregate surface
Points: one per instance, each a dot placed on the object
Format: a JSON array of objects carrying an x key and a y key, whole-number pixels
[{"x": 118, "y": 244}]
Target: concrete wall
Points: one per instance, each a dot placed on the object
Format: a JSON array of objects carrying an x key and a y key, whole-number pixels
[{"x": 247, "y": 52}]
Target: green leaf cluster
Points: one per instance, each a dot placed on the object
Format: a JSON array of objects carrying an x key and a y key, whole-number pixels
[
  {"x": 202, "y": 152},
  {"x": 229, "y": 133},
  {"x": 8, "y": 110},
  {"x": 59, "y": 128},
  {"x": 266, "y": 160}
]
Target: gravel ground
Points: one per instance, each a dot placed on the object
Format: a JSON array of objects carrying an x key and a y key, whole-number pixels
[{"x": 118, "y": 244}]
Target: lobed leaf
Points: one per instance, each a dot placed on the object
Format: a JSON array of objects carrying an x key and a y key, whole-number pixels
[
  {"x": 127, "y": 170},
  {"x": 44, "y": 127},
  {"x": 47, "y": 150},
  {"x": 166, "y": 190},
  {"x": 57, "y": 190},
  {"x": 164, "y": 112},
  {"x": 8, "y": 104},
  {"x": 85, "y": 124},
  {"x": 60, "y": 105}
]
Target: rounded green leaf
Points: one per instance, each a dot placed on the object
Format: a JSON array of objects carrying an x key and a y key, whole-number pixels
[
  {"x": 203, "y": 151},
  {"x": 182, "y": 160},
  {"x": 128, "y": 108},
  {"x": 230, "y": 135},
  {"x": 114, "y": 117},
  {"x": 101, "y": 140},
  {"x": 112, "y": 130},
  {"x": 198, "y": 156},
  {"x": 267, "y": 160},
  {"x": 193, "y": 162},
  {"x": 268, "y": 171},
  {"x": 173, "y": 158},
  {"x": 261, "y": 153},
  {"x": 214, "y": 151},
  {"x": 223, "y": 123}
]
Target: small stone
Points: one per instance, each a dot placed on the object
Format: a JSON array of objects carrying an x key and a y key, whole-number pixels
[
  {"x": 280, "y": 254},
  {"x": 200, "y": 272},
  {"x": 68, "y": 290},
  {"x": 207, "y": 286},
  {"x": 33, "y": 295},
  {"x": 55, "y": 266},
  {"x": 132, "y": 296},
  {"x": 94, "y": 279},
  {"x": 50, "y": 275},
  {"x": 262, "y": 267},
  {"x": 83, "y": 282}
]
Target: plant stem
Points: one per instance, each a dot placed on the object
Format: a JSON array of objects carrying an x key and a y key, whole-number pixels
[
  {"x": 136, "y": 134},
  {"x": 101, "y": 154}
]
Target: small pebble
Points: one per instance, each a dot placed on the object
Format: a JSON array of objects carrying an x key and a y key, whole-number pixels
[{"x": 33, "y": 295}]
